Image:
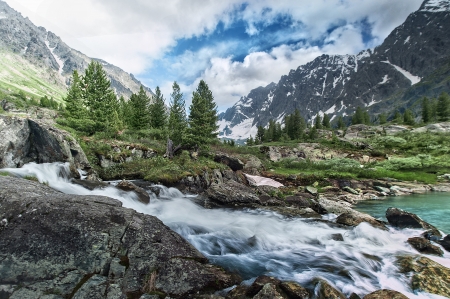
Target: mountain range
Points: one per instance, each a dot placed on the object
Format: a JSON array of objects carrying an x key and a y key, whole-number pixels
[
  {"x": 412, "y": 62},
  {"x": 38, "y": 62}
]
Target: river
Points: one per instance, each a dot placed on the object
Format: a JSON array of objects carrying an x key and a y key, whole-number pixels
[{"x": 256, "y": 242}]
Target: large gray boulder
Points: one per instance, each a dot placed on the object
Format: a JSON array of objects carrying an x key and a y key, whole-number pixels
[
  {"x": 72, "y": 246},
  {"x": 25, "y": 140},
  {"x": 231, "y": 192},
  {"x": 402, "y": 219}
]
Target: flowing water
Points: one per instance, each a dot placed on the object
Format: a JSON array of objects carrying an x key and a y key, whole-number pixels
[
  {"x": 433, "y": 207},
  {"x": 256, "y": 242}
]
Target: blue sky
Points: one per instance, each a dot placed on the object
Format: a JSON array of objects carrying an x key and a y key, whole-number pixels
[{"x": 233, "y": 45}]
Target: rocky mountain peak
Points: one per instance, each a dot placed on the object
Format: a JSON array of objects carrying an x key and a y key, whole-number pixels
[{"x": 435, "y": 6}]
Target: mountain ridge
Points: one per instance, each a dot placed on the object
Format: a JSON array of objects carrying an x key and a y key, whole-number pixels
[{"x": 392, "y": 75}]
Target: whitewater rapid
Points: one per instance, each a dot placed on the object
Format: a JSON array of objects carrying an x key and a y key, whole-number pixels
[{"x": 257, "y": 242}]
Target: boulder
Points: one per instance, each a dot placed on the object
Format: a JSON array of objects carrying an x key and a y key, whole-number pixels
[
  {"x": 325, "y": 290},
  {"x": 232, "y": 162},
  {"x": 294, "y": 291},
  {"x": 311, "y": 190},
  {"x": 385, "y": 294},
  {"x": 350, "y": 190},
  {"x": 259, "y": 283},
  {"x": 142, "y": 195},
  {"x": 402, "y": 219},
  {"x": 92, "y": 247},
  {"x": 231, "y": 192},
  {"x": 253, "y": 165},
  {"x": 422, "y": 245},
  {"x": 394, "y": 129},
  {"x": 427, "y": 275},
  {"x": 269, "y": 291},
  {"x": 445, "y": 243},
  {"x": 254, "y": 180},
  {"x": 335, "y": 207},
  {"x": 354, "y": 218}
]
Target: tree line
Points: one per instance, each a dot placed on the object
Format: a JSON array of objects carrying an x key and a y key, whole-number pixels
[{"x": 92, "y": 106}]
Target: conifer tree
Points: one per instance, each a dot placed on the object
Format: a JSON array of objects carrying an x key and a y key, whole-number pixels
[
  {"x": 366, "y": 118},
  {"x": 341, "y": 123},
  {"x": 443, "y": 107},
  {"x": 408, "y": 117},
  {"x": 158, "y": 114},
  {"x": 358, "y": 117},
  {"x": 250, "y": 141},
  {"x": 382, "y": 118},
  {"x": 74, "y": 100},
  {"x": 278, "y": 132},
  {"x": 318, "y": 122},
  {"x": 426, "y": 110},
  {"x": 326, "y": 121},
  {"x": 297, "y": 125},
  {"x": 202, "y": 117},
  {"x": 139, "y": 108},
  {"x": 398, "y": 117},
  {"x": 98, "y": 96},
  {"x": 177, "y": 124},
  {"x": 260, "y": 134}
]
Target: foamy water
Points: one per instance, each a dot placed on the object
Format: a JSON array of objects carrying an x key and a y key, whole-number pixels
[{"x": 256, "y": 242}]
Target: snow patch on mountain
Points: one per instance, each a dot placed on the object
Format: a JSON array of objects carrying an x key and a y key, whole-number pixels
[
  {"x": 408, "y": 75},
  {"x": 58, "y": 60},
  {"x": 435, "y": 6},
  {"x": 240, "y": 131}
]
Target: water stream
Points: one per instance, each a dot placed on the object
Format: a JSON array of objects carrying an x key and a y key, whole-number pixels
[{"x": 256, "y": 242}]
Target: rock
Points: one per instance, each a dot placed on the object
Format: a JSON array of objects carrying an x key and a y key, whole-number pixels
[
  {"x": 26, "y": 140},
  {"x": 272, "y": 153},
  {"x": 427, "y": 275},
  {"x": 393, "y": 129},
  {"x": 269, "y": 291},
  {"x": 324, "y": 290},
  {"x": 231, "y": 192},
  {"x": 238, "y": 292},
  {"x": 436, "y": 128},
  {"x": 337, "y": 237},
  {"x": 294, "y": 291},
  {"x": 254, "y": 180},
  {"x": 445, "y": 243},
  {"x": 232, "y": 162},
  {"x": 385, "y": 294},
  {"x": 422, "y": 245},
  {"x": 90, "y": 246},
  {"x": 253, "y": 165},
  {"x": 354, "y": 296},
  {"x": 354, "y": 218},
  {"x": 382, "y": 189},
  {"x": 402, "y": 219},
  {"x": 259, "y": 283},
  {"x": 311, "y": 190},
  {"x": 142, "y": 195},
  {"x": 350, "y": 190},
  {"x": 335, "y": 207},
  {"x": 90, "y": 185}
]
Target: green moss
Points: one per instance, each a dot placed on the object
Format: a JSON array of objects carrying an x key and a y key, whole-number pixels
[{"x": 31, "y": 178}]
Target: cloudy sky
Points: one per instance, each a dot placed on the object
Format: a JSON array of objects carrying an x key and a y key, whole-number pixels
[{"x": 234, "y": 45}]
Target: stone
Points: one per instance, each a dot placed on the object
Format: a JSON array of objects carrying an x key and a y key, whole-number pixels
[
  {"x": 355, "y": 218},
  {"x": 232, "y": 162},
  {"x": 311, "y": 190},
  {"x": 259, "y": 283},
  {"x": 142, "y": 195},
  {"x": 231, "y": 192},
  {"x": 382, "y": 189},
  {"x": 350, "y": 190},
  {"x": 424, "y": 246},
  {"x": 294, "y": 291},
  {"x": 354, "y": 296},
  {"x": 427, "y": 275},
  {"x": 394, "y": 129},
  {"x": 337, "y": 237},
  {"x": 76, "y": 246},
  {"x": 445, "y": 243},
  {"x": 385, "y": 294},
  {"x": 269, "y": 291},
  {"x": 325, "y": 290},
  {"x": 402, "y": 219}
]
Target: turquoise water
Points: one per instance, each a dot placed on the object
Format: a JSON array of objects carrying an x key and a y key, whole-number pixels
[{"x": 433, "y": 207}]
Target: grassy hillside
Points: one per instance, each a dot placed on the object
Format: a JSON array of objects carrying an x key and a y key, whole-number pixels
[{"x": 18, "y": 75}]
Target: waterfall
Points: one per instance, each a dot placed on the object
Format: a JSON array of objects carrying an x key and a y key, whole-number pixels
[{"x": 256, "y": 242}]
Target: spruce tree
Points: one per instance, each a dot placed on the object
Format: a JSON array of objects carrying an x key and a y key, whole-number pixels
[
  {"x": 158, "y": 114},
  {"x": 260, "y": 134},
  {"x": 202, "y": 117},
  {"x": 398, "y": 117},
  {"x": 382, "y": 118},
  {"x": 426, "y": 110},
  {"x": 177, "y": 124},
  {"x": 408, "y": 117},
  {"x": 358, "y": 117},
  {"x": 341, "y": 123},
  {"x": 98, "y": 96},
  {"x": 443, "y": 107},
  {"x": 297, "y": 125},
  {"x": 318, "y": 122},
  {"x": 74, "y": 100},
  {"x": 326, "y": 121},
  {"x": 139, "y": 108}
]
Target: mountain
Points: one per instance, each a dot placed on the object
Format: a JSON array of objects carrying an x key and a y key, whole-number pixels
[
  {"x": 412, "y": 62},
  {"x": 39, "y": 62}
]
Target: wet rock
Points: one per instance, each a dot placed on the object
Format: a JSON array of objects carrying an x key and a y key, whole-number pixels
[
  {"x": 293, "y": 290},
  {"x": 402, "y": 219},
  {"x": 238, "y": 292},
  {"x": 87, "y": 246},
  {"x": 90, "y": 185},
  {"x": 324, "y": 290},
  {"x": 350, "y": 190},
  {"x": 232, "y": 162},
  {"x": 427, "y": 275},
  {"x": 354, "y": 218},
  {"x": 269, "y": 291},
  {"x": 382, "y": 189},
  {"x": 142, "y": 195},
  {"x": 259, "y": 283},
  {"x": 231, "y": 192},
  {"x": 385, "y": 294},
  {"x": 445, "y": 243},
  {"x": 422, "y": 245},
  {"x": 330, "y": 206},
  {"x": 337, "y": 237},
  {"x": 354, "y": 296}
]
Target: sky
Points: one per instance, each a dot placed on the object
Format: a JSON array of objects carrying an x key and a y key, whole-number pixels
[{"x": 234, "y": 45}]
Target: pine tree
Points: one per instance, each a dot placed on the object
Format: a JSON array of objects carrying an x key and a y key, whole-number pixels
[
  {"x": 341, "y": 123},
  {"x": 98, "y": 96},
  {"x": 297, "y": 125},
  {"x": 358, "y": 117},
  {"x": 326, "y": 121},
  {"x": 139, "y": 108},
  {"x": 382, "y": 118},
  {"x": 158, "y": 114},
  {"x": 278, "y": 132},
  {"x": 177, "y": 124},
  {"x": 366, "y": 118},
  {"x": 408, "y": 117},
  {"x": 260, "y": 134},
  {"x": 318, "y": 122},
  {"x": 398, "y": 117},
  {"x": 74, "y": 99},
  {"x": 443, "y": 107},
  {"x": 250, "y": 141},
  {"x": 426, "y": 110},
  {"x": 202, "y": 117}
]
